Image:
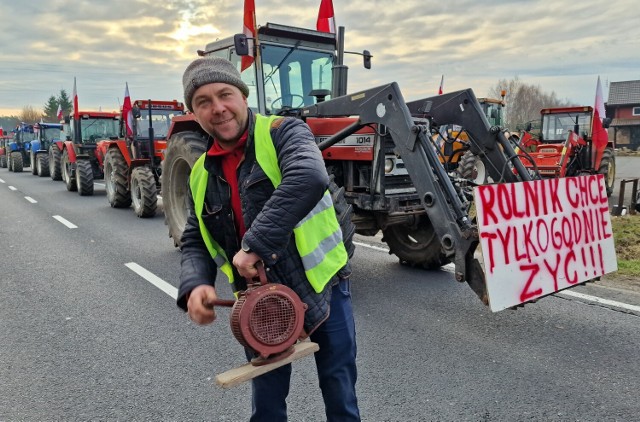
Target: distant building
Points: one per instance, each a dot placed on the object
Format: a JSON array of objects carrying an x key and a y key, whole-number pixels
[{"x": 623, "y": 107}]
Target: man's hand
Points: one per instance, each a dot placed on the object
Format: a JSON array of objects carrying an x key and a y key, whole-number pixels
[
  {"x": 200, "y": 306},
  {"x": 245, "y": 263}
]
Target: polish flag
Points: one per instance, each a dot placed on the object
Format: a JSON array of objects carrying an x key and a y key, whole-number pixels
[
  {"x": 441, "y": 89},
  {"x": 59, "y": 114},
  {"x": 127, "y": 114},
  {"x": 326, "y": 18},
  {"x": 599, "y": 136},
  {"x": 76, "y": 110},
  {"x": 249, "y": 29},
  {"x": 1, "y": 131}
]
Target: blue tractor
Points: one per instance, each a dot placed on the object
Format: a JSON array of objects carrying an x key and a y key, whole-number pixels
[
  {"x": 45, "y": 136},
  {"x": 19, "y": 146}
]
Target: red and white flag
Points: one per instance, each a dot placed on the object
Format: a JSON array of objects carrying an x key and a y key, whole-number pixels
[
  {"x": 76, "y": 110},
  {"x": 1, "y": 131},
  {"x": 59, "y": 114},
  {"x": 599, "y": 136},
  {"x": 127, "y": 113},
  {"x": 249, "y": 29},
  {"x": 441, "y": 89},
  {"x": 326, "y": 18}
]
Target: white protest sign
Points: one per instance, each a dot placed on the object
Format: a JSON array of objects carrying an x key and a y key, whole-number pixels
[{"x": 542, "y": 236}]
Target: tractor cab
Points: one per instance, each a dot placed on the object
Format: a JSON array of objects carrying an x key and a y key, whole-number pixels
[{"x": 150, "y": 124}]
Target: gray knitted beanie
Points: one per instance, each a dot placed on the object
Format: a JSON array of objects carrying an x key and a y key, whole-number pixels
[{"x": 207, "y": 70}]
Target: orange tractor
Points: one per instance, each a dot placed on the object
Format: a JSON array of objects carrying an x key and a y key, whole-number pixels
[
  {"x": 569, "y": 144},
  {"x": 74, "y": 160},
  {"x": 132, "y": 163}
]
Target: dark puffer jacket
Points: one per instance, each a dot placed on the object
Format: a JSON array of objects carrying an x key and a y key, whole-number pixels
[{"x": 269, "y": 215}]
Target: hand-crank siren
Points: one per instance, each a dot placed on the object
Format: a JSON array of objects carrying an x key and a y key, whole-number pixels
[{"x": 267, "y": 318}]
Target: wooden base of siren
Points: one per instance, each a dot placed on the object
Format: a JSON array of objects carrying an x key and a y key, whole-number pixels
[{"x": 243, "y": 373}]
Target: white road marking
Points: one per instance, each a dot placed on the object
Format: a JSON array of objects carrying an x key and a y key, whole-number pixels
[
  {"x": 153, "y": 279},
  {"x": 30, "y": 199},
  {"x": 13, "y": 188},
  {"x": 2, "y": 181},
  {"x": 65, "y": 222},
  {"x": 570, "y": 293},
  {"x": 600, "y": 300}
]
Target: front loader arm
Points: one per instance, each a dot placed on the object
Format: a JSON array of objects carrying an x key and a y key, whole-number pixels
[
  {"x": 385, "y": 106},
  {"x": 489, "y": 143}
]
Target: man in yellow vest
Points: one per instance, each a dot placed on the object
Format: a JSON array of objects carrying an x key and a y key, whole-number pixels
[{"x": 260, "y": 193}]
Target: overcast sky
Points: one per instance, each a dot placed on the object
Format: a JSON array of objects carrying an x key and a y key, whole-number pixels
[{"x": 560, "y": 45}]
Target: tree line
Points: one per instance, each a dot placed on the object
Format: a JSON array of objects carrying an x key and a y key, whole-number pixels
[{"x": 49, "y": 113}]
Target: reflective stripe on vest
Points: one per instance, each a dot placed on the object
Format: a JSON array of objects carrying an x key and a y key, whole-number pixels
[
  {"x": 318, "y": 236},
  {"x": 198, "y": 184}
]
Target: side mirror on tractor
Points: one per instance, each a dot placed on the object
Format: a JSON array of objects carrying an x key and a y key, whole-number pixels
[
  {"x": 241, "y": 44},
  {"x": 135, "y": 111},
  {"x": 606, "y": 122}
]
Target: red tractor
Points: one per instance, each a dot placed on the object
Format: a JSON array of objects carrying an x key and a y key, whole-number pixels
[
  {"x": 567, "y": 146},
  {"x": 132, "y": 164},
  {"x": 76, "y": 157}
]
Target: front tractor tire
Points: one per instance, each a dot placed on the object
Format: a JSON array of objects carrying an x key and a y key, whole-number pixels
[
  {"x": 116, "y": 178},
  {"x": 3, "y": 161},
  {"x": 42, "y": 165},
  {"x": 183, "y": 149},
  {"x": 67, "y": 178},
  {"x": 32, "y": 160},
  {"x": 472, "y": 168},
  {"x": 144, "y": 194},
  {"x": 608, "y": 169},
  {"x": 84, "y": 177},
  {"x": 17, "y": 165},
  {"x": 417, "y": 246},
  {"x": 55, "y": 163}
]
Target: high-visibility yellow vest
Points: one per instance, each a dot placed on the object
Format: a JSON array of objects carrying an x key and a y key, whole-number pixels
[{"x": 318, "y": 236}]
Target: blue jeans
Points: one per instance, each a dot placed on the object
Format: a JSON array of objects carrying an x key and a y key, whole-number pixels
[{"x": 336, "y": 363}]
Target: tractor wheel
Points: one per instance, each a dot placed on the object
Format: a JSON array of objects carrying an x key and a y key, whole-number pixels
[
  {"x": 16, "y": 162},
  {"x": 84, "y": 177},
  {"x": 42, "y": 165},
  {"x": 415, "y": 246},
  {"x": 65, "y": 164},
  {"x": 32, "y": 160},
  {"x": 343, "y": 213},
  {"x": 144, "y": 194},
  {"x": 183, "y": 149},
  {"x": 472, "y": 168},
  {"x": 116, "y": 179},
  {"x": 55, "y": 166},
  {"x": 3, "y": 161},
  {"x": 608, "y": 168}
]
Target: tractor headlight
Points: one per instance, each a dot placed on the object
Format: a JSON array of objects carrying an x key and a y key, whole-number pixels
[{"x": 388, "y": 165}]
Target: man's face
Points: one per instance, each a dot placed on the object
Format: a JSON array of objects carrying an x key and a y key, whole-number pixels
[{"x": 222, "y": 111}]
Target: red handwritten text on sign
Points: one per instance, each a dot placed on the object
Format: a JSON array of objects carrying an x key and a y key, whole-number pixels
[{"x": 543, "y": 236}]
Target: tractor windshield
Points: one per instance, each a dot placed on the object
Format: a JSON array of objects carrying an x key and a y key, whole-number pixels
[
  {"x": 160, "y": 119},
  {"x": 50, "y": 133},
  {"x": 93, "y": 129},
  {"x": 556, "y": 127},
  {"x": 493, "y": 111},
  {"x": 290, "y": 74}
]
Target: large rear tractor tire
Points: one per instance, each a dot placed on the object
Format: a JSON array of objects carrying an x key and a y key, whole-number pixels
[
  {"x": 84, "y": 177},
  {"x": 116, "y": 175},
  {"x": 472, "y": 168},
  {"x": 608, "y": 168},
  {"x": 42, "y": 165},
  {"x": 144, "y": 194},
  {"x": 69, "y": 181},
  {"x": 183, "y": 149},
  {"x": 32, "y": 160},
  {"x": 55, "y": 163},
  {"x": 3, "y": 161},
  {"x": 417, "y": 246},
  {"x": 17, "y": 164}
]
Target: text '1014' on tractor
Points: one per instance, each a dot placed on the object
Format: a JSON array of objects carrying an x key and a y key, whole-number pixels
[
  {"x": 570, "y": 143},
  {"x": 380, "y": 152},
  {"x": 79, "y": 163},
  {"x": 46, "y": 134},
  {"x": 132, "y": 163}
]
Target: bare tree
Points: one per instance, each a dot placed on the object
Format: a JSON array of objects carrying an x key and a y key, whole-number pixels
[
  {"x": 524, "y": 101},
  {"x": 30, "y": 115}
]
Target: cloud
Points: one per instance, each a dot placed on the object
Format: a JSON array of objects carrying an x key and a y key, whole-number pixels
[{"x": 562, "y": 46}]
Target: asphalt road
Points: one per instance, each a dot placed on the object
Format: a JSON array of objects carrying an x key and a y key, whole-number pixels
[{"x": 83, "y": 337}]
